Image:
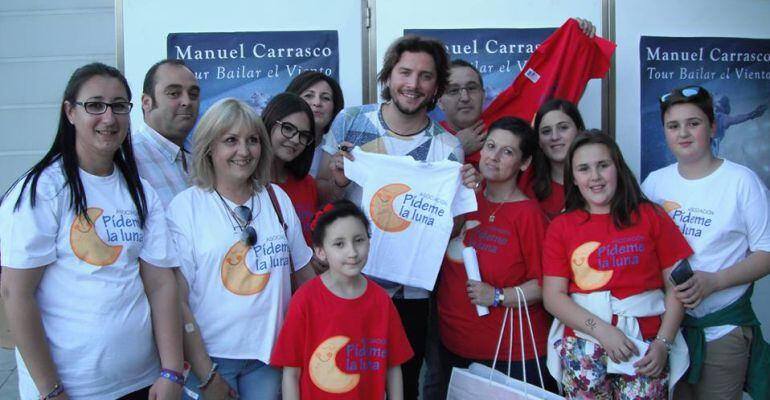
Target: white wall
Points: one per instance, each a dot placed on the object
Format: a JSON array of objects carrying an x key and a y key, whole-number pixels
[
  {"x": 41, "y": 44},
  {"x": 737, "y": 18}
]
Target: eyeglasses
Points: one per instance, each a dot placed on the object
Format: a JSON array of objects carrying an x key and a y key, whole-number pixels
[
  {"x": 685, "y": 92},
  {"x": 469, "y": 90},
  {"x": 100, "y": 107},
  {"x": 288, "y": 130}
]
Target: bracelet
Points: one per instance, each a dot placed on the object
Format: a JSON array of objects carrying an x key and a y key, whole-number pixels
[
  {"x": 172, "y": 375},
  {"x": 665, "y": 342},
  {"x": 56, "y": 391},
  {"x": 209, "y": 376}
]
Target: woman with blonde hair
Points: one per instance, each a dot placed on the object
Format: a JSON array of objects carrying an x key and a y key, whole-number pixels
[{"x": 236, "y": 254}]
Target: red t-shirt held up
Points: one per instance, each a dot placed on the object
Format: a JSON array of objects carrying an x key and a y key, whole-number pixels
[
  {"x": 624, "y": 261},
  {"x": 343, "y": 347},
  {"x": 304, "y": 196},
  {"x": 560, "y": 68},
  {"x": 552, "y": 205},
  {"x": 509, "y": 251}
]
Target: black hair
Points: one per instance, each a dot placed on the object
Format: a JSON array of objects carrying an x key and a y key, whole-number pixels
[
  {"x": 416, "y": 44},
  {"x": 460, "y": 63},
  {"x": 309, "y": 78},
  {"x": 624, "y": 206},
  {"x": 332, "y": 212},
  {"x": 521, "y": 129},
  {"x": 63, "y": 149},
  {"x": 701, "y": 99},
  {"x": 148, "y": 87},
  {"x": 277, "y": 108},
  {"x": 541, "y": 164}
]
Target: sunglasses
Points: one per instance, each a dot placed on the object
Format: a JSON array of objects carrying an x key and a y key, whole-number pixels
[
  {"x": 248, "y": 233},
  {"x": 686, "y": 92}
]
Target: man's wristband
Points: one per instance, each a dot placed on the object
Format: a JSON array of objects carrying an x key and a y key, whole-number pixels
[
  {"x": 172, "y": 375},
  {"x": 56, "y": 391}
]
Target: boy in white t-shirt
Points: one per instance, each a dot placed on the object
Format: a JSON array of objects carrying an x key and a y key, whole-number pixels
[{"x": 723, "y": 209}]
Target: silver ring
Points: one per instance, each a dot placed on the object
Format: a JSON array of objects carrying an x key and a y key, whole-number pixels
[{"x": 476, "y": 186}]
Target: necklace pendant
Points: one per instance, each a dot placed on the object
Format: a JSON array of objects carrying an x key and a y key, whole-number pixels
[{"x": 492, "y": 218}]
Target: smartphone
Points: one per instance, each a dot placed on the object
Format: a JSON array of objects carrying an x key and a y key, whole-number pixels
[{"x": 681, "y": 273}]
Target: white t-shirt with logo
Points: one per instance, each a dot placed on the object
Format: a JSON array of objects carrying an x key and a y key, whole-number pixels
[
  {"x": 238, "y": 294},
  {"x": 411, "y": 205},
  {"x": 94, "y": 310},
  {"x": 724, "y": 216}
]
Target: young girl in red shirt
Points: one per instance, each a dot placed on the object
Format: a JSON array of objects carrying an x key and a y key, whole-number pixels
[
  {"x": 606, "y": 267},
  {"x": 342, "y": 337}
]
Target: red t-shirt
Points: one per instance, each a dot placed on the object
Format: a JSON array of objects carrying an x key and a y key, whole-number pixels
[
  {"x": 343, "y": 346},
  {"x": 560, "y": 68},
  {"x": 508, "y": 251},
  {"x": 552, "y": 205},
  {"x": 469, "y": 158},
  {"x": 304, "y": 196},
  {"x": 625, "y": 262}
]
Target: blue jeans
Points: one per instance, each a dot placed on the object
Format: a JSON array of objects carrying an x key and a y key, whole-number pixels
[{"x": 252, "y": 379}]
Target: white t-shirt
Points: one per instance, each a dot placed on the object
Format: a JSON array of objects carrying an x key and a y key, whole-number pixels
[
  {"x": 411, "y": 205},
  {"x": 92, "y": 302},
  {"x": 724, "y": 216},
  {"x": 238, "y": 302}
]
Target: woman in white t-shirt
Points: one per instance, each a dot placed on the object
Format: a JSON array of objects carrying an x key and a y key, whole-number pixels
[
  {"x": 723, "y": 209},
  {"x": 236, "y": 257},
  {"x": 85, "y": 257}
]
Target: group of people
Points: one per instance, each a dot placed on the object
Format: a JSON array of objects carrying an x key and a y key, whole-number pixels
[{"x": 125, "y": 256}]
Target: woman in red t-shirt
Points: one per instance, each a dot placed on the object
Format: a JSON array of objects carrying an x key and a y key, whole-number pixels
[
  {"x": 291, "y": 125},
  {"x": 557, "y": 122},
  {"x": 507, "y": 232},
  {"x": 606, "y": 262}
]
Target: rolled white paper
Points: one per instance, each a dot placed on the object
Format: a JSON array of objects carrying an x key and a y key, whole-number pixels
[{"x": 472, "y": 269}]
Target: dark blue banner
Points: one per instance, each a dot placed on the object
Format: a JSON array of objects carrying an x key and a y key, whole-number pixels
[
  {"x": 737, "y": 73},
  {"x": 499, "y": 54},
  {"x": 253, "y": 66}
]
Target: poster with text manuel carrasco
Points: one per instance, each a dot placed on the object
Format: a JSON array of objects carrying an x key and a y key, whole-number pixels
[
  {"x": 253, "y": 66},
  {"x": 735, "y": 71}
]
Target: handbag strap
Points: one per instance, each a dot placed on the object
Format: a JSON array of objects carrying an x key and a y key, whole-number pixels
[
  {"x": 277, "y": 208},
  {"x": 521, "y": 303}
]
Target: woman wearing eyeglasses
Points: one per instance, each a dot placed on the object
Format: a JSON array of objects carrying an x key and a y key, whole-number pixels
[
  {"x": 89, "y": 294},
  {"x": 236, "y": 258},
  {"x": 290, "y": 122},
  {"x": 723, "y": 210}
]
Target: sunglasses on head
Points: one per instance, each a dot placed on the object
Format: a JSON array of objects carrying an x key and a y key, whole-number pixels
[{"x": 686, "y": 92}]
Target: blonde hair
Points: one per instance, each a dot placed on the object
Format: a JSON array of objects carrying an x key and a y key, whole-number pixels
[{"x": 221, "y": 117}]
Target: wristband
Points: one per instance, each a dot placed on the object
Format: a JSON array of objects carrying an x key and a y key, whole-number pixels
[
  {"x": 56, "y": 391},
  {"x": 209, "y": 376},
  {"x": 665, "y": 342},
  {"x": 172, "y": 375}
]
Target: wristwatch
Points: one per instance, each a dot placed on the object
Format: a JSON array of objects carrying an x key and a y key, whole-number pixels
[{"x": 499, "y": 297}]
